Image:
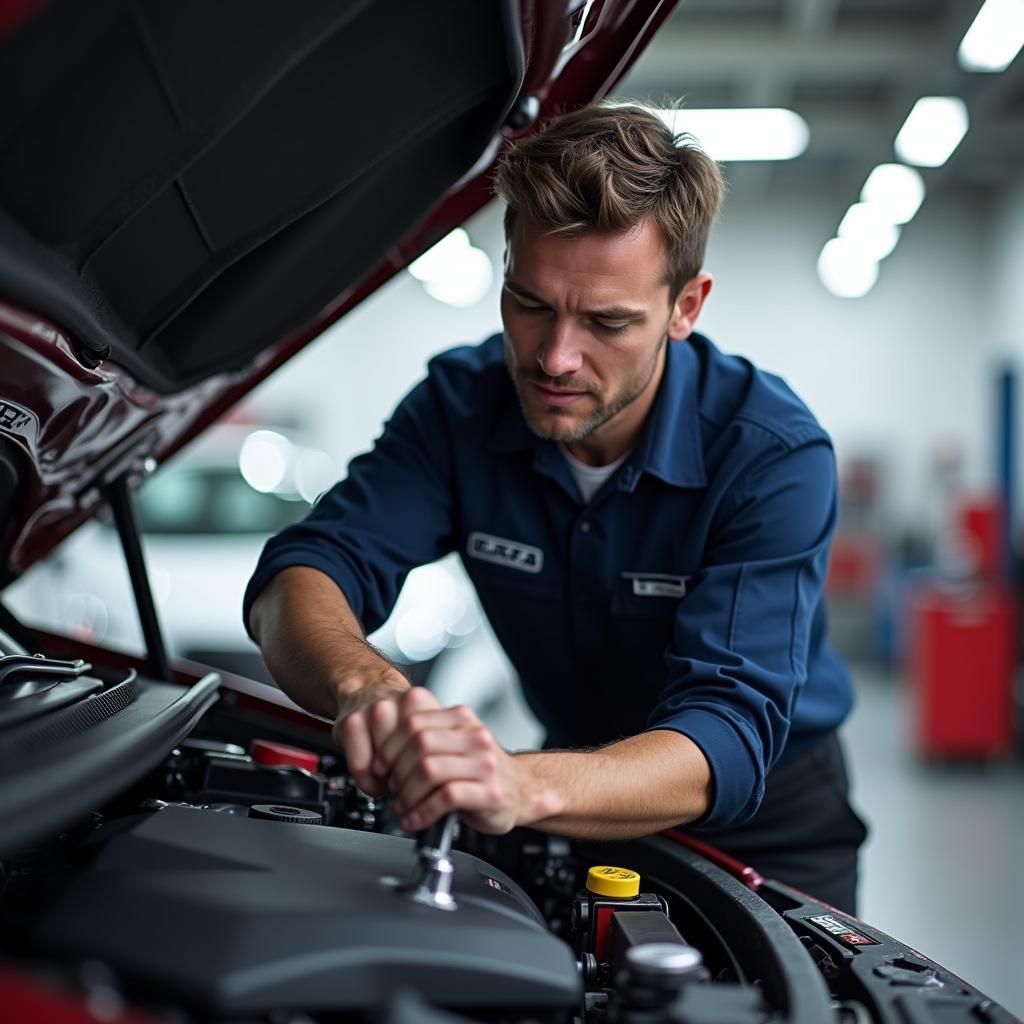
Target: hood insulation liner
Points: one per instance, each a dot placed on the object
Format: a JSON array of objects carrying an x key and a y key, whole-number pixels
[{"x": 188, "y": 183}]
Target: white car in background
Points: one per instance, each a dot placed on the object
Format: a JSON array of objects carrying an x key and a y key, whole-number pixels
[{"x": 205, "y": 518}]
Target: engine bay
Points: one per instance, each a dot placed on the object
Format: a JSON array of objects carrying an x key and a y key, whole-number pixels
[
  {"x": 196, "y": 854},
  {"x": 236, "y": 914}
]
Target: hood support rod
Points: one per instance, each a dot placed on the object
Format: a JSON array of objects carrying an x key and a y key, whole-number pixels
[
  {"x": 121, "y": 499},
  {"x": 14, "y": 630}
]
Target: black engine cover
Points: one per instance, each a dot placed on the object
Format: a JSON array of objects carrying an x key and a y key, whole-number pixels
[{"x": 241, "y": 915}]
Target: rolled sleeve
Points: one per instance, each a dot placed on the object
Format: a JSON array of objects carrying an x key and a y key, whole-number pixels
[
  {"x": 741, "y": 636},
  {"x": 391, "y": 513}
]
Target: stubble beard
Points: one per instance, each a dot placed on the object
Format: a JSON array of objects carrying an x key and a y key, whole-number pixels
[{"x": 632, "y": 388}]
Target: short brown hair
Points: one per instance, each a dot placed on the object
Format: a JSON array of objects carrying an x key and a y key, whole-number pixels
[{"x": 607, "y": 168}]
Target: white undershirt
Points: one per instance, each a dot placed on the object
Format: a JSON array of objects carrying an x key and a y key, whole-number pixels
[{"x": 590, "y": 478}]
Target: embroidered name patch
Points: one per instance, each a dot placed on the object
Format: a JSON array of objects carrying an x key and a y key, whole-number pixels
[
  {"x": 503, "y": 551},
  {"x": 657, "y": 584}
]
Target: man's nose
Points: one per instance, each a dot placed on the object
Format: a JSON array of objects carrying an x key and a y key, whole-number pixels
[{"x": 560, "y": 354}]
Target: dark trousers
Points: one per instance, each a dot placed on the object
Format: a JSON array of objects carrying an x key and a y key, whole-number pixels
[{"x": 805, "y": 833}]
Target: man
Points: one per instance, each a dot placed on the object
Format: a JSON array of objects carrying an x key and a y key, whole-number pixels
[{"x": 646, "y": 522}]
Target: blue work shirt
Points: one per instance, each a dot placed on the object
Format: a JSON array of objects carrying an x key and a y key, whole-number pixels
[{"x": 686, "y": 595}]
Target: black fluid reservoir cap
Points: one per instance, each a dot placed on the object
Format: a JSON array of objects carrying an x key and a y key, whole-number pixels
[{"x": 282, "y": 812}]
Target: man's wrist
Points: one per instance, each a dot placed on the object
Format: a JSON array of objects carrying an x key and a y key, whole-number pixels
[
  {"x": 351, "y": 681},
  {"x": 539, "y": 797},
  {"x": 359, "y": 662},
  {"x": 348, "y": 685}
]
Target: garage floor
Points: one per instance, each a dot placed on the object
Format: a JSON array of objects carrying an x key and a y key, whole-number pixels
[{"x": 943, "y": 869}]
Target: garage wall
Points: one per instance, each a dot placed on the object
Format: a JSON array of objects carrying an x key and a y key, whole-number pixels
[
  {"x": 895, "y": 374},
  {"x": 898, "y": 373},
  {"x": 1005, "y": 269}
]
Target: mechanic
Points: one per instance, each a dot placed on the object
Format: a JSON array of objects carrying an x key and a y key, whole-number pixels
[{"x": 646, "y": 522}]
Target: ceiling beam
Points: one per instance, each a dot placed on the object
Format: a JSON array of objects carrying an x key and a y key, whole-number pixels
[
  {"x": 685, "y": 55},
  {"x": 879, "y": 68}
]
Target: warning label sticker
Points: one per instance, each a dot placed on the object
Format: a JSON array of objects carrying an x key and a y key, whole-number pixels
[
  {"x": 16, "y": 420},
  {"x": 495, "y": 884},
  {"x": 843, "y": 932}
]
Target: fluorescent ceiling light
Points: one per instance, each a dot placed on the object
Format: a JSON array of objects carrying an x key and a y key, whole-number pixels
[
  {"x": 868, "y": 229},
  {"x": 454, "y": 271},
  {"x": 263, "y": 460},
  {"x": 844, "y": 270},
  {"x": 895, "y": 190},
  {"x": 994, "y": 38},
  {"x": 420, "y": 635},
  {"x": 435, "y": 260},
  {"x": 932, "y": 130},
  {"x": 314, "y": 473},
  {"x": 755, "y": 133}
]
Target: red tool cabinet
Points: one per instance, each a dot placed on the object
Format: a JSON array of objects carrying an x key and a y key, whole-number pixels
[{"x": 961, "y": 663}]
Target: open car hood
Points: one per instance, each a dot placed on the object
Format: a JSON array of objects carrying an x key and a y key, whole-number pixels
[{"x": 192, "y": 192}]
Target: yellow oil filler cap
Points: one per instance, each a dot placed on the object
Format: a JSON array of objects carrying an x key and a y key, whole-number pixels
[{"x": 609, "y": 881}]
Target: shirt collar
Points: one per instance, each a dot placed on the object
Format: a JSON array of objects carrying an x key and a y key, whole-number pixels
[
  {"x": 669, "y": 446},
  {"x": 511, "y": 434}
]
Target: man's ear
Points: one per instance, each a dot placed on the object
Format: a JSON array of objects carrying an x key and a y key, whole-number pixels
[{"x": 687, "y": 306}]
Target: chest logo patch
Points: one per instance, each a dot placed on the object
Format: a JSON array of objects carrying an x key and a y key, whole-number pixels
[
  {"x": 657, "y": 584},
  {"x": 511, "y": 553}
]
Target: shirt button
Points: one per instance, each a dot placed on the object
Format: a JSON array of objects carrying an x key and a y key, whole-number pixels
[{"x": 585, "y": 526}]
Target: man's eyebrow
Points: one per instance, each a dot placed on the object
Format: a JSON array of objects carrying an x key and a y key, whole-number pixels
[
  {"x": 604, "y": 313},
  {"x": 617, "y": 313}
]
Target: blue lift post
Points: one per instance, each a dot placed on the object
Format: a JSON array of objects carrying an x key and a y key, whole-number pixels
[{"x": 1006, "y": 453}]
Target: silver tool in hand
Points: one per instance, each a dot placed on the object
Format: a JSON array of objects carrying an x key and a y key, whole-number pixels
[{"x": 431, "y": 880}]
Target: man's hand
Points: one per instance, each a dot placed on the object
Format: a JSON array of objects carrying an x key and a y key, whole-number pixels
[
  {"x": 434, "y": 760},
  {"x": 395, "y": 737},
  {"x": 354, "y": 704}
]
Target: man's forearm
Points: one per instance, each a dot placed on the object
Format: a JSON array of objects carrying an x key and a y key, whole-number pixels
[
  {"x": 313, "y": 644},
  {"x": 635, "y": 787}
]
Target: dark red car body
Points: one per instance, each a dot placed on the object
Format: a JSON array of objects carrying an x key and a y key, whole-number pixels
[{"x": 74, "y": 417}]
